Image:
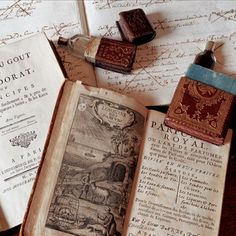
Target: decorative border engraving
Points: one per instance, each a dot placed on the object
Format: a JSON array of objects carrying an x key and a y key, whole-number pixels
[{"x": 23, "y": 139}]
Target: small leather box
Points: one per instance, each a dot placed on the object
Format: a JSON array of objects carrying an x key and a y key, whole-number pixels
[
  {"x": 200, "y": 109},
  {"x": 106, "y": 53},
  {"x": 135, "y": 27}
]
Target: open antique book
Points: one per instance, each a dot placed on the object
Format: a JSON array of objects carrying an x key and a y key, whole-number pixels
[
  {"x": 182, "y": 27},
  {"x": 30, "y": 83},
  {"x": 113, "y": 168}
]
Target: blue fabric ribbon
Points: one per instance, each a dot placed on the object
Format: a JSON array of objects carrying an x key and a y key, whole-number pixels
[{"x": 210, "y": 77}]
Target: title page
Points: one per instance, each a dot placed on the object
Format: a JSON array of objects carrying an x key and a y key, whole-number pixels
[
  {"x": 180, "y": 184},
  {"x": 30, "y": 80}
]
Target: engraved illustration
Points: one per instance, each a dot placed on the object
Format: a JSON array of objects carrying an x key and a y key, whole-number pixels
[
  {"x": 23, "y": 139},
  {"x": 94, "y": 182}
]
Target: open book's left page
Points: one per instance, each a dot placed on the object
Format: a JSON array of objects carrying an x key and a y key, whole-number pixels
[
  {"x": 22, "y": 18},
  {"x": 29, "y": 87},
  {"x": 90, "y": 162}
]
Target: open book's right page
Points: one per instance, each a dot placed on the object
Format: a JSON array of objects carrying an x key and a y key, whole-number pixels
[
  {"x": 182, "y": 27},
  {"x": 180, "y": 185}
]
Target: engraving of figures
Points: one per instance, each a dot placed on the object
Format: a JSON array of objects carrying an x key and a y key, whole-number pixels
[
  {"x": 86, "y": 184},
  {"x": 99, "y": 192},
  {"x": 108, "y": 221},
  {"x": 119, "y": 140},
  {"x": 94, "y": 183}
]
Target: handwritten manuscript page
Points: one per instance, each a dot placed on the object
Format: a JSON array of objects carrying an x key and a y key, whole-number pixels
[
  {"x": 182, "y": 27},
  {"x": 180, "y": 184},
  {"x": 28, "y": 95}
]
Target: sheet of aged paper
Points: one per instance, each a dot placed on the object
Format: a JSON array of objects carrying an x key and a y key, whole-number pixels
[
  {"x": 90, "y": 162},
  {"x": 180, "y": 185},
  {"x": 22, "y": 18},
  {"x": 182, "y": 27},
  {"x": 29, "y": 87}
]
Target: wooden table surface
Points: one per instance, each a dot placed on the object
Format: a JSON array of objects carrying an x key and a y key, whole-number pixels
[{"x": 228, "y": 217}]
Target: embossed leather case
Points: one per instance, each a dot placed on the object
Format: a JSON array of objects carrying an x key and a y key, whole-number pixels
[
  {"x": 200, "y": 110},
  {"x": 135, "y": 27},
  {"x": 115, "y": 55}
]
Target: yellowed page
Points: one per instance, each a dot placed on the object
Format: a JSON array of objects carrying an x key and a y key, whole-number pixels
[
  {"x": 182, "y": 28},
  {"x": 30, "y": 83},
  {"x": 22, "y": 18},
  {"x": 180, "y": 184},
  {"x": 88, "y": 170}
]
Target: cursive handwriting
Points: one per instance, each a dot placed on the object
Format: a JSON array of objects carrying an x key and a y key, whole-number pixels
[
  {"x": 182, "y": 32},
  {"x": 225, "y": 15},
  {"x": 107, "y": 4},
  {"x": 76, "y": 68},
  {"x": 52, "y": 31},
  {"x": 18, "y": 8}
]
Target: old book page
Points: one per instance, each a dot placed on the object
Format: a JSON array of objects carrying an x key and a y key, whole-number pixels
[
  {"x": 180, "y": 185},
  {"x": 29, "y": 87},
  {"x": 89, "y": 165},
  {"x": 182, "y": 27},
  {"x": 22, "y": 18}
]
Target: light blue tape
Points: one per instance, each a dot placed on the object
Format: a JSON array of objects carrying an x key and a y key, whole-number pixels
[{"x": 217, "y": 80}]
